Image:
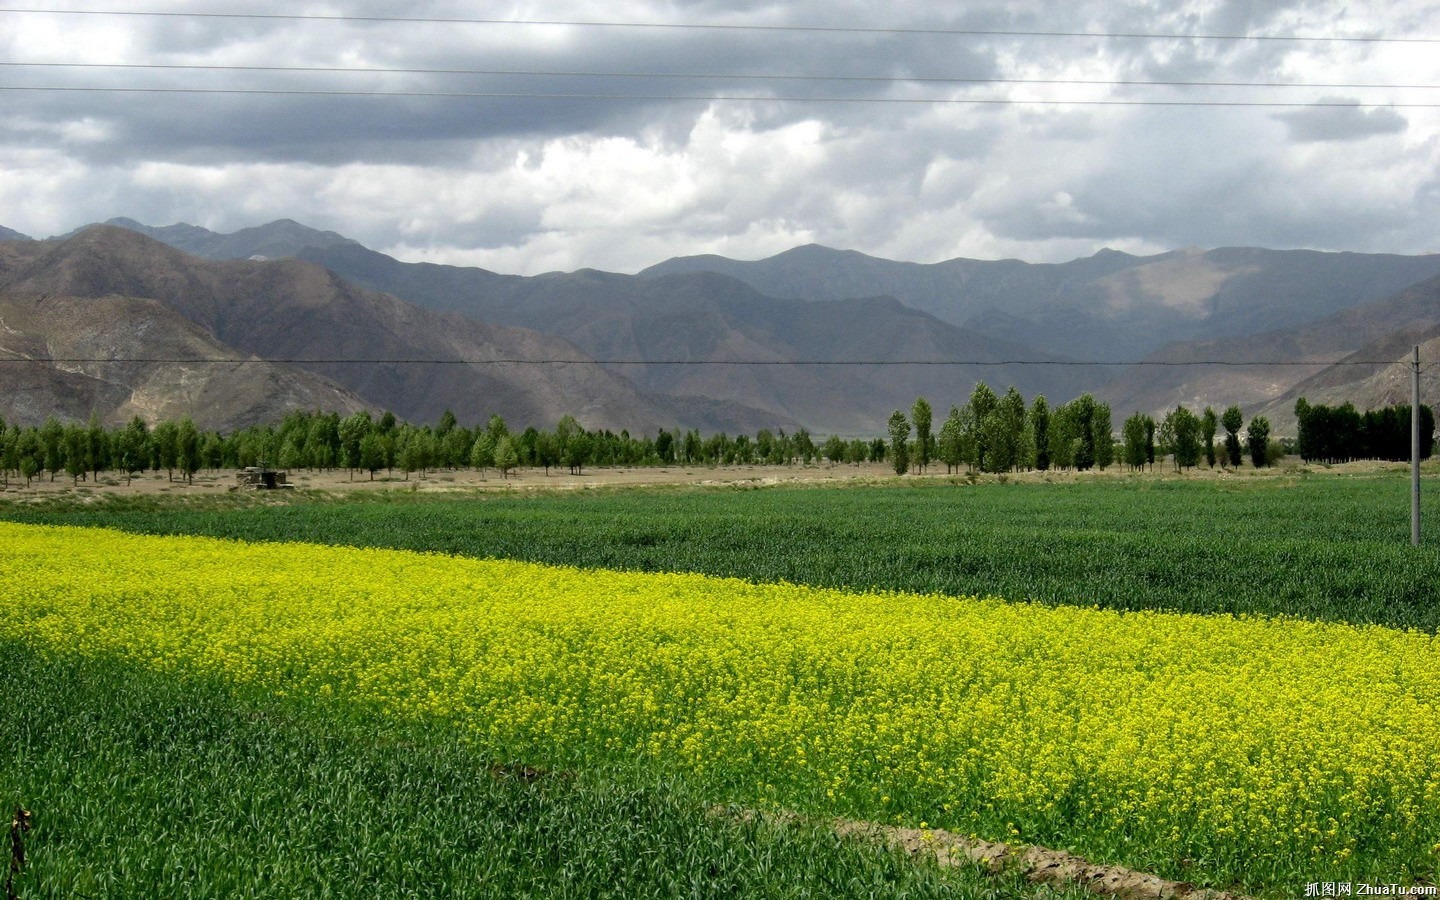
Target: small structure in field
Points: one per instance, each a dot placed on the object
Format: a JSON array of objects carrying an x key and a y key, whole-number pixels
[{"x": 262, "y": 478}]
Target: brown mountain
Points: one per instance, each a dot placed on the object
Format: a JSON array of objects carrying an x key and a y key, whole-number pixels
[
  {"x": 1232, "y": 306},
  {"x": 1322, "y": 359},
  {"x": 1111, "y": 306},
  {"x": 113, "y": 341},
  {"x": 296, "y": 311},
  {"x": 734, "y": 342}
]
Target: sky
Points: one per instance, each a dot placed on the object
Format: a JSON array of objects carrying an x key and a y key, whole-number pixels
[{"x": 543, "y": 136}]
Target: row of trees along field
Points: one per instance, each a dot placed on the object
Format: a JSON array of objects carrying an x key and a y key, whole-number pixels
[
  {"x": 1342, "y": 433},
  {"x": 989, "y": 433},
  {"x": 1186, "y": 438},
  {"x": 365, "y": 443},
  {"x": 992, "y": 433}
]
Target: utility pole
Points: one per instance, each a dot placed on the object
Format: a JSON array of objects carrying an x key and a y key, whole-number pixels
[{"x": 1415, "y": 450}]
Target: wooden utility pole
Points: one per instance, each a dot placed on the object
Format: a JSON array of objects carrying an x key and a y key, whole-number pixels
[{"x": 1415, "y": 450}]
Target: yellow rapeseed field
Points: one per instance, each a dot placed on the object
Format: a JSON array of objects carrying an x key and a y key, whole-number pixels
[{"x": 1234, "y": 741}]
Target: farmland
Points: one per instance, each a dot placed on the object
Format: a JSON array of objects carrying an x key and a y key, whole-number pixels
[
  {"x": 861, "y": 652},
  {"x": 1312, "y": 545}
]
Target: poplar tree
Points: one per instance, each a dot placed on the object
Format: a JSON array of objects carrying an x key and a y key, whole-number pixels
[
  {"x": 921, "y": 413},
  {"x": 899, "y": 429},
  {"x": 1258, "y": 437},
  {"x": 1232, "y": 419},
  {"x": 1040, "y": 428},
  {"x": 1209, "y": 422}
]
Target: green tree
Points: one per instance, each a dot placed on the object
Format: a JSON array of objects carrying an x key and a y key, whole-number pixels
[
  {"x": 1133, "y": 434},
  {"x": 77, "y": 452},
  {"x": 1209, "y": 423},
  {"x": 1064, "y": 436},
  {"x": 9, "y": 453},
  {"x": 982, "y": 402},
  {"x": 354, "y": 429},
  {"x": 370, "y": 453},
  {"x": 1258, "y": 439},
  {"x": 1086, "y": 428},
  {"x": 165, "y": 440},
  {"x": 187, "y": 449},
  {"x": 482, "y": 452},
  {"x": 131, "y": 451},
  {"x": 1185, "y": 434},
  {"x": 52, "y": 446},
  {"x": 547, "y": 451},
  {"x": 922, "y": 416},
  {"x": 1102, "y": 435},
  {"x": 1019, "y": 437},
  {"x": 952, "y": 441},
  {"x": 31, "y": 450},
  {"x": 577, "y": 452},
  {"x": 1040, "y": 429},
  {"x": 899, "y": 430},
  {"x": 506, "y": 458},
  {"x": 446, "y": 424},
  {"x": 1232, "y": 419},
  {"x": 665, "y": 447},
  {"x": 98, "y": 445}
]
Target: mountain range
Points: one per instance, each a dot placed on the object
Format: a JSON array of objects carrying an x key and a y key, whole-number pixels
[{"x": 826, "y": 339}]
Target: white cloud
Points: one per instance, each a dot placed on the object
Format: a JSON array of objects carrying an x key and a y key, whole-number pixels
[{"x": 529, "y": 185}]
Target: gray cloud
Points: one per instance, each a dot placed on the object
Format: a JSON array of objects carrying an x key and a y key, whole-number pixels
[
  {"x": 535, "y": 183},
  {"x": 1341, "y": 123}
]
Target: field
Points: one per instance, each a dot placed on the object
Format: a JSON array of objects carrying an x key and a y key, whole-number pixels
[{"x": 1232, "y": 683}]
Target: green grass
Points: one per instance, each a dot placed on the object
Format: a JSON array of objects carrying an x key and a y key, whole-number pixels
[
  {"x": 1316, "y": 546},
  {"x": 143, "y": 785}
]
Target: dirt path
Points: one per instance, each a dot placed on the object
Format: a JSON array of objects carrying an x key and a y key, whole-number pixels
[
  {"x": 340, "y": 481},
  {"x": 1039, "y": 865}
]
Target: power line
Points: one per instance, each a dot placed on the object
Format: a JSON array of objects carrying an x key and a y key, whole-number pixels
[
  {"x": 717, "y": 76},
  {"x": 299, "y": 361},
  {"x": 697, "y": 26},
  {"x": 706, "y": 98}
]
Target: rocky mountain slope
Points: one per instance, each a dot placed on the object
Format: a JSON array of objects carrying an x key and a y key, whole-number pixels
[
  {"x": 295, "y": 311},
  {"x": 709, "y": 322},
  {"x": 713, "y": 343},
  {"x": 1111, "y": 306}
]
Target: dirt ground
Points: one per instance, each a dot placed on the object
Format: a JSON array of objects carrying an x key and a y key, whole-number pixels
[{"x": 341, "y": 481}]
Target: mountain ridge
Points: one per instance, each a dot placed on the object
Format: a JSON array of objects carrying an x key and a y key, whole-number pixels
[
  {"x": 292, "y": 309},
  {"x": 708, "y": 312}
]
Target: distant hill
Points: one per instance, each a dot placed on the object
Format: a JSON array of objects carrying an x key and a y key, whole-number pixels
[
  {"x": 1111, "y": 306},
  {"x": 7, "y": 234},
  {"x": 1381, "y": 329},
  {"x": 812, "y": 303},
  {"x": 711, "y": 321},
  {"x": 220, "y": 387},
  {"x": 1377, "y": 371},
  {"x": 293, "y": 310},
  {"x": 276, "y": 240}
]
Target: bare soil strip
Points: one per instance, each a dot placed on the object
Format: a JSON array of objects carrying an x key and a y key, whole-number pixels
[{"x": 1039, "y": 865}]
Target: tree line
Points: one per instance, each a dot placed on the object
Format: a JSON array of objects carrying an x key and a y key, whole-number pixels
[
  {"x": 1342, "y": 433},
  {"x": 994, "y": 433},
  {"x": 1186, "y": 438},
  {"x": 366, "y": 444},
  {"x": 988, "y": 433}
]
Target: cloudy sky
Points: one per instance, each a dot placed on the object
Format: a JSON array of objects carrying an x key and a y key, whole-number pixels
[{"x": 535, "y": 136}]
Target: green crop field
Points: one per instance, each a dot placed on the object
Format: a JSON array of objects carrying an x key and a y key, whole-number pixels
[
  {"x": 146, "y": 785},
  {"x": 204, "y": 721},
  {"x": 1315, "y": 546}
]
